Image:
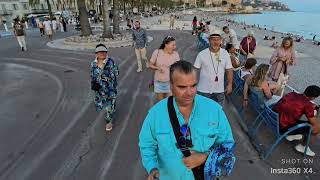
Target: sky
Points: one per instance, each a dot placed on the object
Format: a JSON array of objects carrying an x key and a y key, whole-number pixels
[{"x": 303, "y": 5}]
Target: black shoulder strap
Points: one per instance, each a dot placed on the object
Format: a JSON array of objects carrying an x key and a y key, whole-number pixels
[
  {"x": 175, "y": 125},
  {"x": 198, "y": 172}
]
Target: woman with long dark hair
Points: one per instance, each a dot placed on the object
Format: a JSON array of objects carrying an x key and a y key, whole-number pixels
[{"x": 160, "y": 62}]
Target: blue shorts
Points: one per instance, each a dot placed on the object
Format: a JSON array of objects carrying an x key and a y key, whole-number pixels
[{"x": 162, "y": 87}]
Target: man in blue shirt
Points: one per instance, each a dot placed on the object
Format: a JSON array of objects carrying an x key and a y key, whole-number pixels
[{"x": 205, "y": 120}]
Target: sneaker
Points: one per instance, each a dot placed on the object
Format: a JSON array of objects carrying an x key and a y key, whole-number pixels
[
  {"x": 109, "y": 126},
  {"x": 22, "y": 49},
  {"x": 294, "y": 137},
  {"x": 301, "y": 148},
  {"x": 139, "y": 70},
  {"x": 147, "y": 65}
]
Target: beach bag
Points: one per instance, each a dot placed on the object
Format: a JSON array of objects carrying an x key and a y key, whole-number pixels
[{"x": 151, "y": 83}]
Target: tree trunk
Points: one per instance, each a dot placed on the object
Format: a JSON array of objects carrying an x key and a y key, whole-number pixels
[
  {"x": 124, "y": 8},
  {"x": 50, "y": 10},
  {"x": 83, "y": 15},
  {"x": 106, "y": 20},
  {"x": 132, "y": 2},
  {"x": 116, "y": 17}
]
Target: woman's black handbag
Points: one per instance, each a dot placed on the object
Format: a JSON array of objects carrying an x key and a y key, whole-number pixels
[{"x": 95, "y": 86}]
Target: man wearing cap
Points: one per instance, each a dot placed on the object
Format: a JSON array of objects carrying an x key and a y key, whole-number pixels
[
  {"x": 213, "y": 63},
  {"x": 139, "y": 37},
  {"x": 104, "y": 72}
]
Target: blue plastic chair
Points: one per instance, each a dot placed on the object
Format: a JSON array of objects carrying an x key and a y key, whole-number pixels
[
  {"x": 271, "y": 119},
  {"x": 238, "y": 83},
  {"x": 257, "y": 104}
]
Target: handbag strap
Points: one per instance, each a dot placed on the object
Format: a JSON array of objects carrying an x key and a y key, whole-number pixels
[
  {"x": 198, "y": 172},
  {"x": 155, "y": 62}
]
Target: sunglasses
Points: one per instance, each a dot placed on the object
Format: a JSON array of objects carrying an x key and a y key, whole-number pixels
[
  {"x": 185, "y": 140},
  {"x": 169, "y": 38}
]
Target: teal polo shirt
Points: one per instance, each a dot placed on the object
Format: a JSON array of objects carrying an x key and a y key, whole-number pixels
[{"x": 208, "y": 124}]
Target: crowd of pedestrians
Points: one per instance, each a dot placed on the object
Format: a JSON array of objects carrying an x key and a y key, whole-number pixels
[
  {"x": 46, "y": 27},
  {"x": 186, "y": 134}
]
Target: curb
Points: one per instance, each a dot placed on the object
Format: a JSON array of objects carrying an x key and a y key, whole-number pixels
[
  {"x": 6, "y": 34},
  {"x": 62, "y": 44}
]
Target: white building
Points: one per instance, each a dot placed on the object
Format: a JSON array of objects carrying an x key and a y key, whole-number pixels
[
  {"x": 219, "y": 2},
  {"x": 187, "y": 2},
  {"x": 10, "y": 9}
]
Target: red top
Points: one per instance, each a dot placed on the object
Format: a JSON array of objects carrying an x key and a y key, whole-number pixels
[{"x": 291, "y": 107}]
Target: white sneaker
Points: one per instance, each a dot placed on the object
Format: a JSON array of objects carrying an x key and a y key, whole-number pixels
[
  {"x": 294, "y": 137},
  {"x": 109, "y": 126},
  {"x": 301, "y": 148},
  {"x": 139, "y": 70}
]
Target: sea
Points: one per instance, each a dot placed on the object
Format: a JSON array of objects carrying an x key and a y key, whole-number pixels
[{"x": 304, "y": 24}]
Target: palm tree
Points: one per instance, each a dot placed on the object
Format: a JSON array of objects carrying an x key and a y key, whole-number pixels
[
  {"x": 83, "y": 15},
  {"x": 106, "y": 21}
]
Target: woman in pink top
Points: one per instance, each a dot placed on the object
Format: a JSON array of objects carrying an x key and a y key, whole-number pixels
[
  {"x": 282, "y": 58},
  {"x": 160, "y": 62}
]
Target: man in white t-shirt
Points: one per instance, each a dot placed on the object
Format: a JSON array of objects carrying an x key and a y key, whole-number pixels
[
  {"x": 213, "y": 63},
  {"x": 230, "y": 37},
  {"x": 48, "y": 28}
]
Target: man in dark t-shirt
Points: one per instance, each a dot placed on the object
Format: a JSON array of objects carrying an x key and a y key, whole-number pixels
[
  {"x": 291, "y": 108},
  {"x": 20, "y": 33}
]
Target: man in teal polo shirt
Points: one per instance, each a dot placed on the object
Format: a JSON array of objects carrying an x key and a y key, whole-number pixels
[{"x": 205, "y": 119}]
